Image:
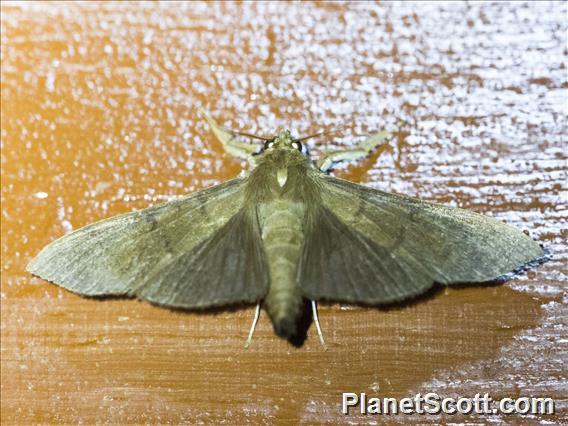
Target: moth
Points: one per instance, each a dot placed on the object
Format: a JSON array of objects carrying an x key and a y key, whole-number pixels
[{"x": 282, "y": 235}]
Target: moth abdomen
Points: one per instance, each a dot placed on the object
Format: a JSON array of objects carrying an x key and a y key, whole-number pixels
[
  {"x": 283, "y": 236},
  {"x": 284, "y": 304}
]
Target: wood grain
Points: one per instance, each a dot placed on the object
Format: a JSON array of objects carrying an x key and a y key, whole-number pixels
[{"x": 98, "y": 118}]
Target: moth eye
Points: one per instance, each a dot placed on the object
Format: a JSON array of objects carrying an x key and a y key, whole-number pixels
[
  {"x": 268, "y": 144},
  {"x": 297, "y": 145}
]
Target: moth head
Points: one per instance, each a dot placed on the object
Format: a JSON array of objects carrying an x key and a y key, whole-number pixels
[{"x": 283, "y": 140}]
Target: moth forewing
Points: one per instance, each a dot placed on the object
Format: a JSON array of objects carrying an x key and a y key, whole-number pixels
[
  {"x": 172, "y": 254},
  {"x": 402, "y": 246}
]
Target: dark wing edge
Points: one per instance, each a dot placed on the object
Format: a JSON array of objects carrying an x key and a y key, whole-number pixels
[
  {"x": 372, "y": 247},
  {"x": 182, "y": 253}
]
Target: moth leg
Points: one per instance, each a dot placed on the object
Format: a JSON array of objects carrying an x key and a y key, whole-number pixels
[
  {"x": 254, "y": 322},
  {"x": 229, "y": 139},
  {"x": 368, "y": 145},
  {"x": 318, "y": 327}
]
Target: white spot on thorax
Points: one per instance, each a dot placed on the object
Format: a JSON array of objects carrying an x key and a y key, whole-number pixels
[{"x": 282, "y": 176}]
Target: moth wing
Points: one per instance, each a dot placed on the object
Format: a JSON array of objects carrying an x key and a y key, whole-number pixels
[
  {"x": 369, "y": 246},
  {"x": 196, "y": 251}
]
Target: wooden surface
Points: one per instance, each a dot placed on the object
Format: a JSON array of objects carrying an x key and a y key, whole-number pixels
[{"x": 98, "y": 118}]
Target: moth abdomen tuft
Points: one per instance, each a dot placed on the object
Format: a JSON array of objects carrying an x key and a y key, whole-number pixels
[
  {"x": 285, "y": 327},
  {"x": 284, "y": 304}
]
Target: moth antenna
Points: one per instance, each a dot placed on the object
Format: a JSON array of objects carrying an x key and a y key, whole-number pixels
[
  {"x": 327, "y": 132},
  {"x": 254, "y": 322},
  {"x": 318, "y": 328},
  {"x": 249, "y": 135}
]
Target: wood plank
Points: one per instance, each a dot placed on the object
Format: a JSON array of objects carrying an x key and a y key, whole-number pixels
[{"x": 98, "y": 118}]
